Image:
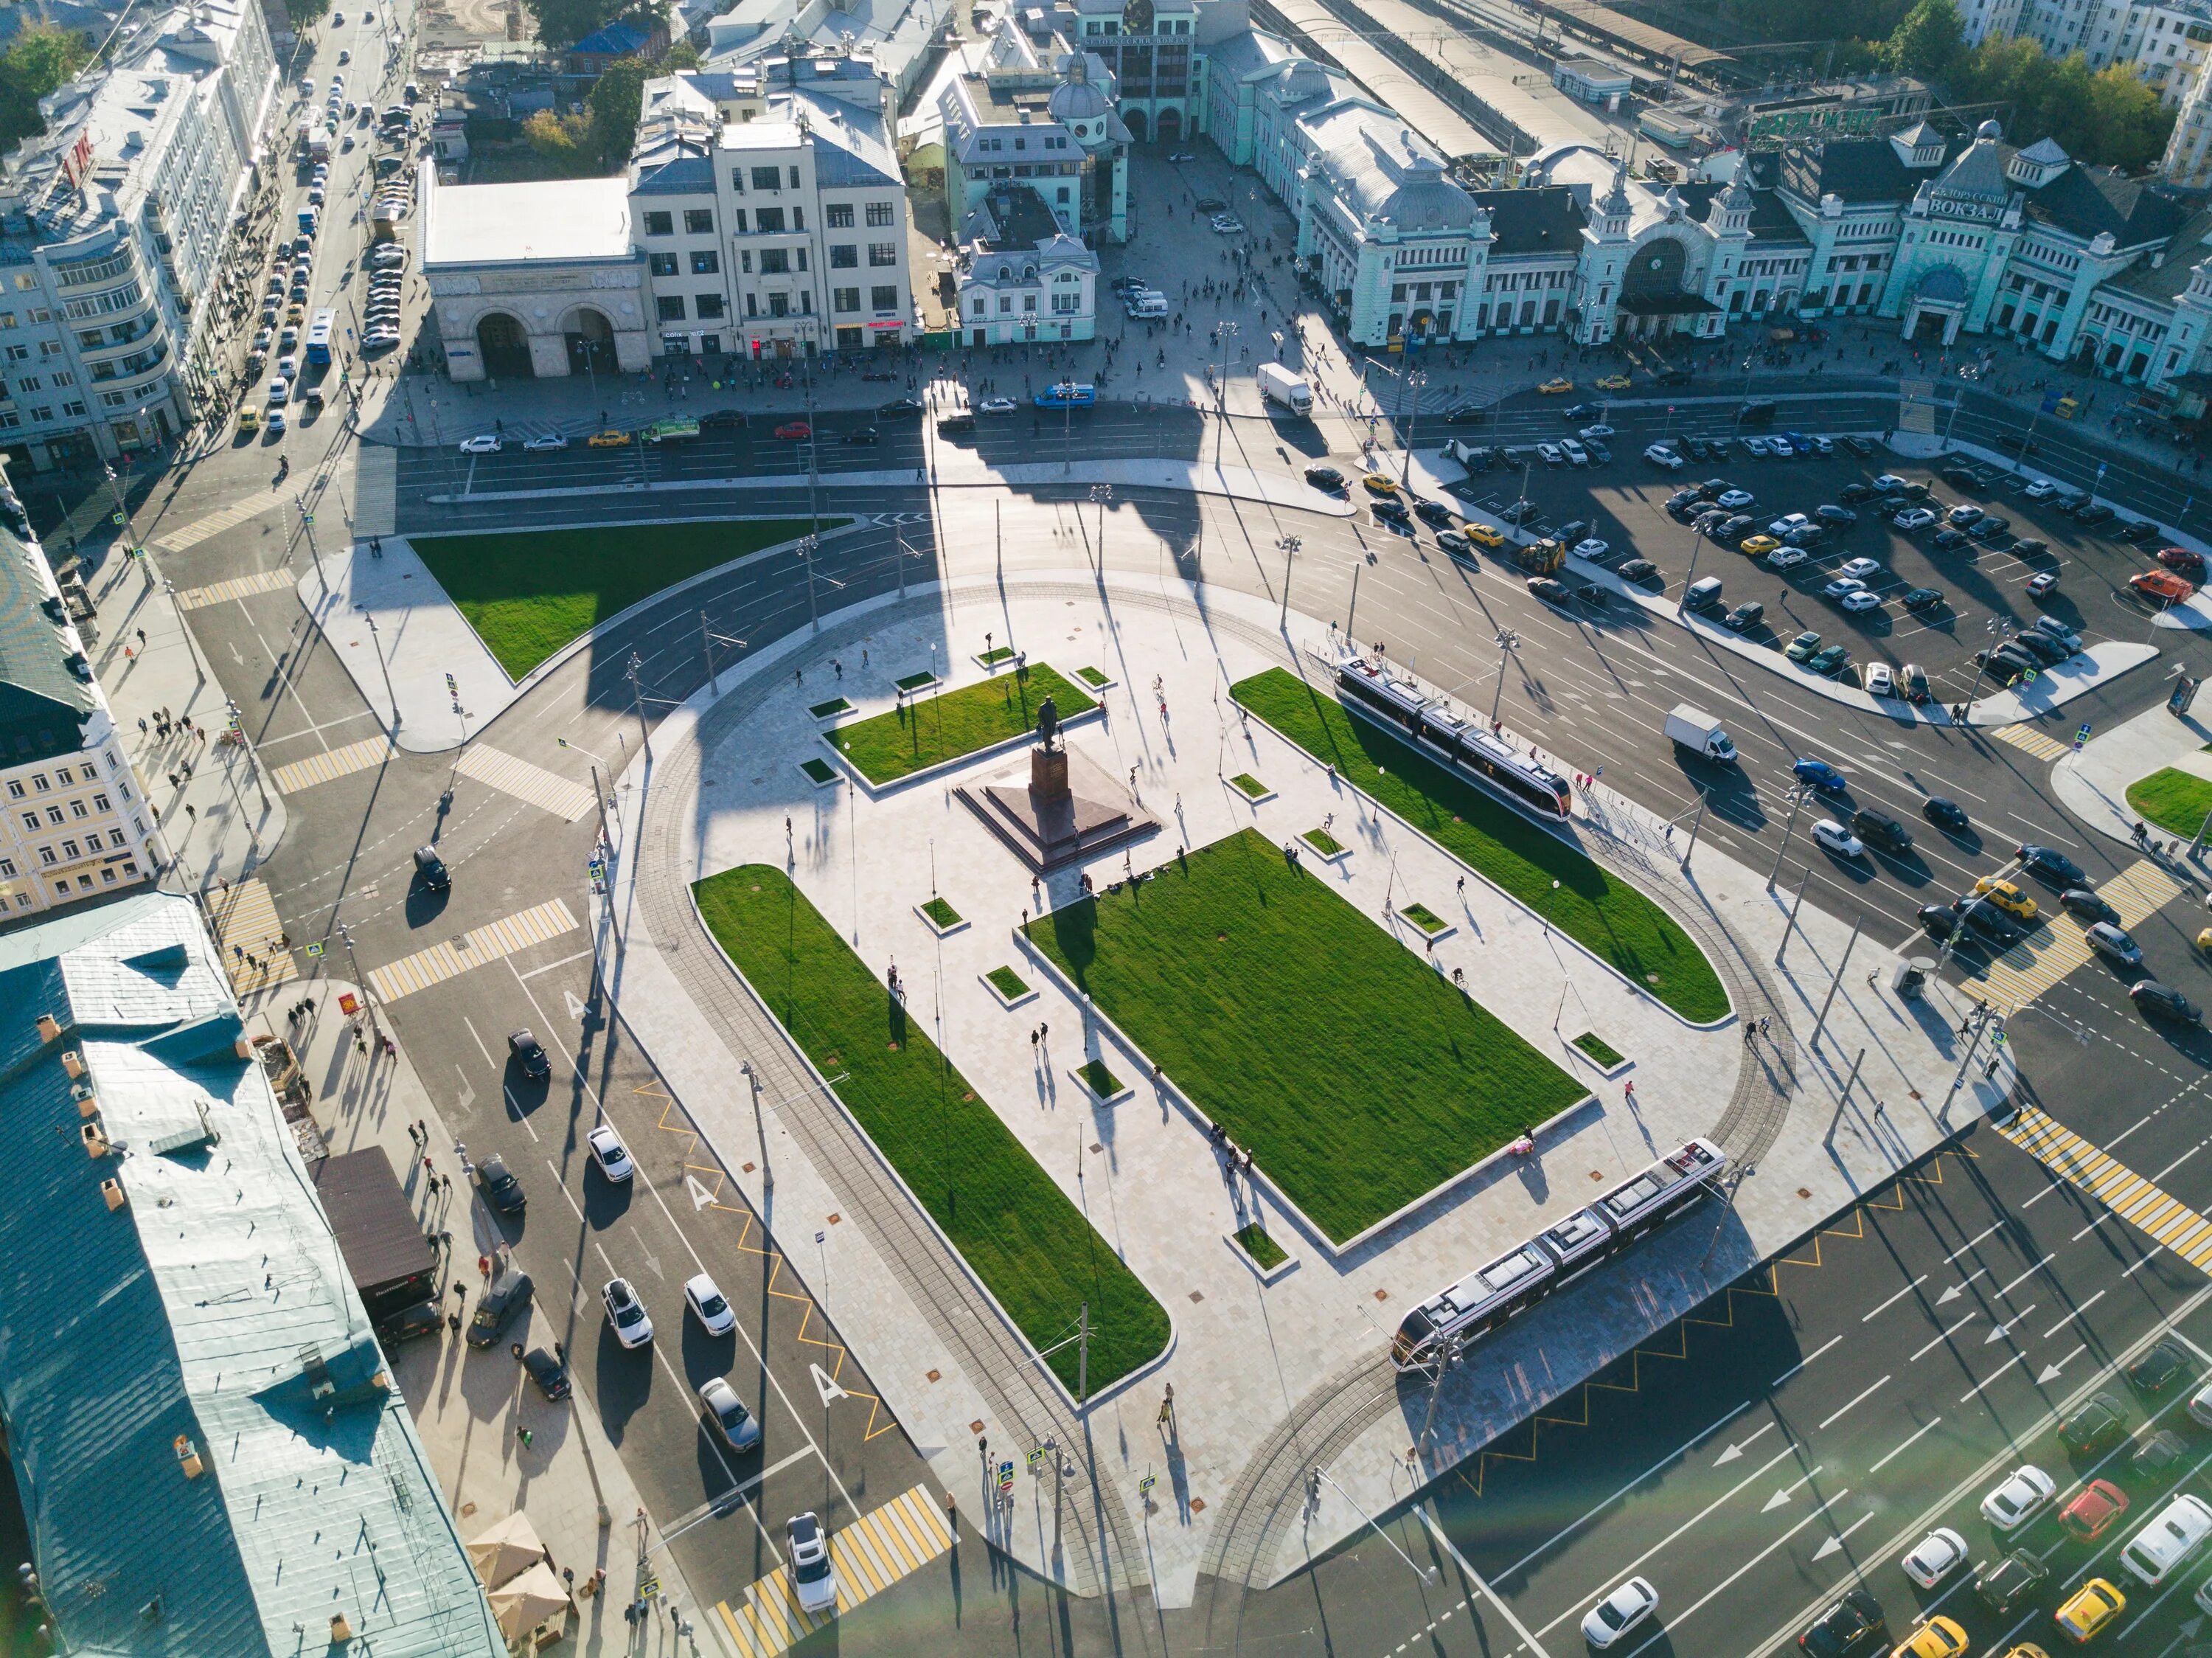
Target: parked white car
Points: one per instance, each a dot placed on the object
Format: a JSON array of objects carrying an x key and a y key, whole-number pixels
[
  {"x": 1880, "y": 681},
  {"x": 1659, "y": 456},
  {"x": 1935, "y": 1557},
  {"x": 1733, "y": 500},
  {"x": 2039, "y": 489},
  {"x": 1865, "y": 568},
  {"x": 709, "y": 1306},
  {"x": 2020, "y": 1499},
  {"x": 813, "y": 1573}
]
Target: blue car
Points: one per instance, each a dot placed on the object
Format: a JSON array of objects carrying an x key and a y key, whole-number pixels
[
  {"x": 1799, "y": 442},
  {"x": 1821, "y": 774}
]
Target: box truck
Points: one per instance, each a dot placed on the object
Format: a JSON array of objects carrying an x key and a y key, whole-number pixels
[
  {"x": 1700, "y": 732},
  {"x": 1278, "y": 385}
]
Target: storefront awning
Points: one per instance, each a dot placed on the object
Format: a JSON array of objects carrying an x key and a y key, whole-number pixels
[{"x": 1667, "y": 305}]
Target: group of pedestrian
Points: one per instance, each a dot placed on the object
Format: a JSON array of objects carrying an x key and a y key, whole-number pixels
[{"x": 1239, "y": 1157}]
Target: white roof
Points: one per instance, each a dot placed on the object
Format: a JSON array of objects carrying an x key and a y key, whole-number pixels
[{"x": 516, "y": 223}]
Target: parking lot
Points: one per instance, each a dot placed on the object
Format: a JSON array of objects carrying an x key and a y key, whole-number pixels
[{"x": 1983, "y": 583}]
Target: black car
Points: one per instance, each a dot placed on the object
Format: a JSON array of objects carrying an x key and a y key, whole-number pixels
[
  {"x": 1745, "y": 617},
  {"x": 715, "y": 417},
  {"x": 1708, "y": 523},
  {"x": 2049, "y": 864},
  {"x": 1672, "y": 377},
  {"x": 1685, "y": 503},
  {"x": 2000, "y": 1585},
  {"x": 955, "y": 425},
  {"x": 2098, "y": 1425},
  {"x": 1637, "y": 569},
  {"x": 900, "y": 405},
  {"x": 423, "y": 1319},
  {"x": 1856, "y": 492},
  {"x": 1950, "y": 536},
  {"x": 1853, "y": 1626},
  {"x": 2158, "y": 1454},
  {"x": 1551, "y": 592},
  {"x": 1877, "y": 829},
  {"x": 1467, "y": 414},
  {"x": 1759, "y": 412},
  {"x": 2159, "y": 1002},
  {"x": 1390, "y": 511},
  {"x": 1325, "y": 477},
  {"x": 1988, "y": 921},
  {"x": 1858, "y": 446},
  {"x": 1940, "y": 920},
  {"x": 529, "y": 1053},
  {"x": 1734, "y": 529},
  {"x": 1480, "y": 458},
  {"x": 2041, "y": 646},
  {"x": 2084, "y": 905},
  {"x": 510, "y": 1293},
  {"x": 1580, "y": 411},
  {"x": 1960, "y": 477},
  {"x": 1840, "y": 516},
  {"x": 550, "y": 1374},
  {"x": 1988, "y": 527},
  {"x": 2141, "y": 531},
  {"x": 1713, "y": 488},
  {"x": 1572, "y": 532},
  {"x": 2006, "y": 660},
  {"x": 1434, "y": 512},
  {"x": 2029, "y": 545},
  {"x": 2094, "y": 512},
  {"x": 864, "y": 434},
  {"x": 432, "y": 868},
  {"x": 500, "y": 1187},
  {"x": 1697, "y": 449},
  {"x": 1922, "y": 599}
]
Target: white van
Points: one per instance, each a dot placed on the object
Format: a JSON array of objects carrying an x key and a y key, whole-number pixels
[
  {"x": 2167, "y": 1539},
  {"x": 1705, "y": 592}
]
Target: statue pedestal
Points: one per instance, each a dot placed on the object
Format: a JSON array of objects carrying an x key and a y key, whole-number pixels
[{"x": 1067, "y": 807}]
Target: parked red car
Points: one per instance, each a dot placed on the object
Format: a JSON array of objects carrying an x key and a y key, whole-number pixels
[
  {"x": 2189, "y": 564},
  {"x": 2094, "y": 1511},
  {"x": 794, "y": 429}
]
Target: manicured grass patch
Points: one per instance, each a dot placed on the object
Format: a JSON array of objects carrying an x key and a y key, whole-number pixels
[
  {"x": 998, "y": 654},
  {"x": 818, "y": 770},
  {"x": 1600, "y": 1050},
  {"x": 1008, "y": 982},
  {"x": 1100, "y": 1080},
  {"x": 1605, "y": 914},
  {"x": 835, "y": 705},
  {"x": 1360, "y": 1078},
  {"x": 1254, "y": 1240},
  {"x": 1249, "y": 786},
  {"x": 2175, "y": 801},
  {"x": 915, "y": 681},
  {"x": 1323, "y": 842},
  {"x": 1422, "y": 916},
  {"x": 931, "y": 730},
  {"x": 528, "y": 593},
  {"x": 1093, "y": 678},
  {"x": 941, "y": 912},
  {"x": 1035, "y": 1249}
]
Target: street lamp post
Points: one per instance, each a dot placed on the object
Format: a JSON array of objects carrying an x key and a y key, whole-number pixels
[
  {"x": 637, "y": 702},
  {"x": 1412, "y": 383},
  {"x": 376, "y": 643},
  {"x": 1289, "y": 545},
  {"x": 1102, "y": 493},
  {"x": 807, "y": 544},
  {"x": 1508, "y": 642},
  {"x": 1228, "y": 332}
]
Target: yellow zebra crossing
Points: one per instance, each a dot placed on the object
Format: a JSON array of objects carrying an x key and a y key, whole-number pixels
[
  {"x": 337, "y": 763},
  {"x": 494, "y": 943},
  {"x": 2062, "y": 944},
  {"x": 2040, "y": 744},
  {"x": 2126, "y": 1193},
  {"x": 525, "y": 782},
  {"x": 244, "y": 918},
  {"x": 238, "y": 586},
  {"x": 871, "y": 1554},
  {"x": 192, "y": 534}
]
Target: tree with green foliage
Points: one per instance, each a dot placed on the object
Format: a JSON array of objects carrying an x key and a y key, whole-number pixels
[
  {"x": 558, "y": 136},
  {"x": 1930, "y": 42},
  {"x": 41, "y": 58},
  {"x": 616, "y": 103},
  {"x": 303, "y": 13}
]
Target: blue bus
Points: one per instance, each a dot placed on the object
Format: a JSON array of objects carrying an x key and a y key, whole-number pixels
[
  {"x": 1067, "y": 394},
  {"x": 319, "y": 338}
]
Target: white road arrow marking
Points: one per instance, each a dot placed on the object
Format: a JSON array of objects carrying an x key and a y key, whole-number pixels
[
  {"x": 1737, "y": 1449},
  {"x": 1959, "y": 1287},
  {"x": 826, "y": 1385},
  {"x": 1998, "y": 1333},
  {"x": 2051, "y": 1371},
  {"x": 468, "y": 1094},
  {"x": 576, "y": 1008},
  {"x": 1789, "y": 1491},
  {"x": 700, "y": 1196},
  {"x": 1836, "y": 1542}
]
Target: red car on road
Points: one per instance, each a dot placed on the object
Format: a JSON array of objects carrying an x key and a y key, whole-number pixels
[
  {"x": 795, "y": 429},
  {"x": 2093, "y": 1513}
]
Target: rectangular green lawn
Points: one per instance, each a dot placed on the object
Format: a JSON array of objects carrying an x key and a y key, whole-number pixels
[
  {"x": 1033, "y": 1247},
  {"x": 1600, "y": 911},
  {"x": 1359, "y": 1077},
  {"x": 928, "y": 731},
  {"x": 528, "y": 593},
  {"x": 2174, "y": 800}
]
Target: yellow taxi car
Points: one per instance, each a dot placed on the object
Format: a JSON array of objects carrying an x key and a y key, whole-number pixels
[
  {"x": 249, "y": 421},
  {"x": 2026, "y": 1650},
  {"x": 1379, "y": 484},
  {"x": 295, "y": 314},
  {"x": 1939, "y": 1637},
  {"x": 1614, "y": 383},
  {"x": 1755, "y": 546},
  {"x": 2203, "y": 939},
  {"x": 1490, "y": 535},
  {"x": 2007, "y": 896},
  {"x": 2096, "y": 1604},
  {"x": 1553, "y": 387},
  {"x": 609, "y": 439}
]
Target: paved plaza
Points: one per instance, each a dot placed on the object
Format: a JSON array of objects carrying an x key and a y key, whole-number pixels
[{"x": 1248, "y": 1355}]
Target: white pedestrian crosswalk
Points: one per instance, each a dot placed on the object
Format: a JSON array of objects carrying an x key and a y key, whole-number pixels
[
  {"x": 2059, "y": 943},
  {"x": 337, "y": 762},
  {"x": 869, "y": 1554},
  {"x": 192, "y": 534},
  {"x": 492, "y": 942},
  {"x": 525, "y": 782},
  {"x": 238, "y": 586}
]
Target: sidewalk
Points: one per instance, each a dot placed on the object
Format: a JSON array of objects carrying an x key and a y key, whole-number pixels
[
  {"x": 2093, "y": 784},
  {"x": 468, "y": 1407},
  {"x": 1145, "y": 1173},
  {"x": 220, "y": 819}
]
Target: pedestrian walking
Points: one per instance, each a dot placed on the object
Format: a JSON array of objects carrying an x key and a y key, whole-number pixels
[
  {"x": 522, "y": 1434},
  {"x": 1750, "y": 1034},
  {"x": 1765, "y": 1025},
  {"x": 1628, "y": 1092}
]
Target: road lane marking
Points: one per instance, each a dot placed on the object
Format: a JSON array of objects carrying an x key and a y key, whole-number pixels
[
  {"x": 1998, "y": 1332},
  {"x": 1837, "y": 1542},
  {"x": 2030, "y": 1273},
  {"x": 2137, "y": 1201},
  {"x": 1992, "y": 1377},
  {"x": 550, "y": 966},
  {"x": 1971, "y": 1242},
  {"x": 1942, "y": 1336},
  {"x": 525, "y": 782},
  {"x": 1899, "y": 1296},
  {"x": 870, "y": 1554},
  {"x": 494, "y": 941},
  {"x": 1846, "y": 1410},
  {"x": 1914, "y": 1439},
  {"x": 1959, "y": 1287},
  {"x": 1802, "y": 1362},
  {"x": 2075, "y": 1314},
  {"x": 327, "y": 767},
  {"x": 1683, "y": 1616},
  {"x": 1786, "y": 1492},
  {"x": 1482, "y": 1588}
]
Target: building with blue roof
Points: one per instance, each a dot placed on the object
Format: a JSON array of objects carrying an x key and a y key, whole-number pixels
[{"x": 206, "y": 1436}]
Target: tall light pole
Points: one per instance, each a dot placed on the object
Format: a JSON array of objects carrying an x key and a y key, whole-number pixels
[
  {"x": 1102, "y": 493},
  {"x": 1229, "y": 331},
  {"x": 1412, "y": 383},
  {"x": 806, "y": 546},
  {"x": 1697, "y": 540},
  {"x": 1508, "y": 643},
  {"x": 637, "y": 702},
  {"x": 1289, "y": 545},
  {"x": 376, "y": 643}
]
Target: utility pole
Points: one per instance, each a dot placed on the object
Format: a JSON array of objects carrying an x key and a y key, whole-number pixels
[
  {"x": 1289, "y": 545},
  {"x": 1794, "y": 804},
  {"x": 1102, "y": 493},
  {"x": 1696, "y": 824},
  {"x": 1822, "y": 1024},
  {"x": 1083, "y": 1356},
  {"x": 1508, "y": 642},
  {"x": 1794, "y": 903},
  {"x": 1228, "y": 332},
  {"x": 1447, "y": 1357},
  {"x": 806, "y": 545},
  {"x": 637, "y": 702},
  {"x": 1413, "y": 383},
  {"x": 1844, "y": 1097}
]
